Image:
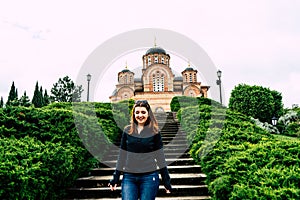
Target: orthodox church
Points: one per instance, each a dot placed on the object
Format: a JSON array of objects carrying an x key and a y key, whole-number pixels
[{"x": 157, "y": 82}]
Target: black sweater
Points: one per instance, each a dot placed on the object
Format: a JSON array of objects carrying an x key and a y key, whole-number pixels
[{"x": 141, "y": 154}]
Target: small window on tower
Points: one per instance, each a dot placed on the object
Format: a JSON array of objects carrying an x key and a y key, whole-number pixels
[
  {"x": 149, "y": 61},
  {"x": 155, "y": 59},
  {"x": 163, "y": 60}
]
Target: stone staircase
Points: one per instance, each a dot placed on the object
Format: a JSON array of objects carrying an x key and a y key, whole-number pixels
[{"x": 186, "y": 177}]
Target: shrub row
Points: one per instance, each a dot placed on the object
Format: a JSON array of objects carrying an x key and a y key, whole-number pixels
[
  {"x": 44, "y": 150},
  {"x": 240, "y": 159}
]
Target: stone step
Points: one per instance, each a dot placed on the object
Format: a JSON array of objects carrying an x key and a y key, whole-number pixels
[
  {"x": 169, "y": 161},
  {"x": 187, "y": 180},
  {"x": 170, "y": 148},
  {"x": 107, "y": 171},
  {"x": 178, "y": 190},
  {"x": 114, "y": 156},
  {"x": 173, "y": 135},
  {"x": 177, "y": 179}
]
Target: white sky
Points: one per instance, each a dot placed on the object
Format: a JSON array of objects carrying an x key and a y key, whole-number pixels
[{"x": 256, "y": 42}]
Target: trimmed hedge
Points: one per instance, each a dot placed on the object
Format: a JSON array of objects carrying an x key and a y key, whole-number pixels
[
  {"x": 41, "y": 152},
  {"x": 240, "y": 159}
]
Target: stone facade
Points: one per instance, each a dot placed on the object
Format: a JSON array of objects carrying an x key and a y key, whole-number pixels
[{"x": 157, "y": 83}]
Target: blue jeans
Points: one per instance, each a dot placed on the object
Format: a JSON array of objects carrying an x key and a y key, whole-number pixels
[{"x": 143, "y": 187}]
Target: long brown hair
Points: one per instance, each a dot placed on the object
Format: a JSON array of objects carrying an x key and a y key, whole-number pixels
[{"x": 151, "y": 120}]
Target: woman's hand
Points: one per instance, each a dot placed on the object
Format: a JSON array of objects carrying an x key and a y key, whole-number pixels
[{"x": 112, "y": 188}]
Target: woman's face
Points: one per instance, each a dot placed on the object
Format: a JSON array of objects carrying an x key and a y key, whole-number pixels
[{"x": 141, "y": 115}]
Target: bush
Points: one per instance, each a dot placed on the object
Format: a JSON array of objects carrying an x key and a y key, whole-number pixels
[
  {"x": 185, "y": 101},
  {"x": 241, "y": 160},
  {"x": 44, "y": 150},
  {"x": 256, "y": 101},
  {"x": 31, "y": 169}
]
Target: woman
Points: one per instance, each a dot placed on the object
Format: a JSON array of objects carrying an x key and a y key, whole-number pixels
[{"x": 141, "y": 157}]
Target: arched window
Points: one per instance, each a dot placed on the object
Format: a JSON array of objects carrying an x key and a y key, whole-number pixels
[
  {"x": 191, "y": 78},
  {"x": 158, "y": 82},
  {"x": 155, "y": 59},
  {"x": 163, "y": 60},
  {"x": 149, "y": 60}
]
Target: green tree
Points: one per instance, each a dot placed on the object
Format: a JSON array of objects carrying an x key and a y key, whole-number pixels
[
  {"x": 1, "y": 102},
  {"x": 42, "y": 96},
  {"x": 256, "y": 101},
  {"x": 13, "y": 96},
  {"x": 24, "y": 100},
  {"x": 46, "y": 98},
  {"x": 278, "y": 105},
  {"x": 65, "y": 91},
  {"x": 37, "y": 99}
]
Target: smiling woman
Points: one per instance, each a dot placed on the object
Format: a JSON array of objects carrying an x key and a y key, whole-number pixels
[{"x": 140, "y": 156}]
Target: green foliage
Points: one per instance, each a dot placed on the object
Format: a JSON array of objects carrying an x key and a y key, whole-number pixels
[
  {"x": 13, "y": 96},
  {"x": 65, "y": 91},
  {"x": 241, "y": 160},
  {"x": 37, "y": 99},
  {"x": 185, "y": 101},
  {"x": 289, "y": 123},
  {"x": 24, "y": 100},
  {"x": 256, "y": 101},
  {"x": 44, "y": 150},
  {"x": 268, "y": 127},
  {"x": 293, "y": 129},
  {"x": 46, "y": 98},
  {"x": 278, "y": 105},
  {"x": 1, "y": 102},
  {"x": 31, "y": 169}
]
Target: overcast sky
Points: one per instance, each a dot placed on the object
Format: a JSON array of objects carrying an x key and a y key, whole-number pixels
[{"x": 254, "y": 42}]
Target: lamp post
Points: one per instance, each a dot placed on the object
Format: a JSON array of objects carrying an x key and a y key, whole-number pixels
[
  {"x": 219, "y": 73},
  {"x": 88, "y": 77},
  {"x": 274, "y": 121}
]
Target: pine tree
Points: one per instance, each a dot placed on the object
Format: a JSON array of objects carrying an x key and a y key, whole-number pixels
[
  {"x": 1, "y": 102},
  {"x": 65, "y": 91},
  {"x": 24, "y": 100},
  {"x": 13, "y": 96},
  {"x": 46, "y": 98},
  {"x": 37, "y": 99}
]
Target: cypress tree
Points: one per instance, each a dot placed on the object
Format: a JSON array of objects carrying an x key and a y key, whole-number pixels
[
  {"x": 1, "y": 102},
  {"x": 37, "y": 99},
  {"x": 13, "y": 95},
  {"x": 46, "y": 98},
  {"x": 42, "y": 96},
  {"x": 24, "y": 100}
]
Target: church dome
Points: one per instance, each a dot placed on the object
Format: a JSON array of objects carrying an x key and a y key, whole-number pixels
[
  {"x": 125, "y": 70},
  {"x": 155, "y": 50},
  {"x": 189, "y": 69}
]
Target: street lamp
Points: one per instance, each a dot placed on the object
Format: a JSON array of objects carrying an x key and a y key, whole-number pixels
[
  {"x": 219, "y": 73},
  {"x": 88, "y": 77},
  {"x": 274, "y": 121}
]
